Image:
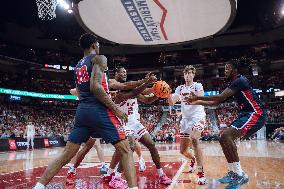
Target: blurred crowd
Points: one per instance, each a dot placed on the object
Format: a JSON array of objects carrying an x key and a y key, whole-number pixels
[{"x": 47, "y": 122}]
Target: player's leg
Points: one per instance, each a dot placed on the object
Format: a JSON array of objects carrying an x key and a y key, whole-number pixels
[
  {"x": 113, "y": 132},
  {"x": 145, "y": 138},
  {"x": 32, "y": 141},
  {"x": 78, "y": 135},
  {"x": 138, "y": 150},
  {"x": 195, "y": 136},
  {"x": 127, "y": 162},
  {"x": 114, "y": 176},
  {"x": 28, "y": 141},
  {"x": 227, "y": 142},
  {"x": 77, "y": 159},
  {"x": 185, "y": 144},
  {"x": 53, "y": 168},
  {"x": 246, "y": 125},
  {"x": 101, "y": 157}
]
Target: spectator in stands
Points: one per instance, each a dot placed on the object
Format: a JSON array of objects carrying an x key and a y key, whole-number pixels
[
  {"x": 278, "y": 134},
  {"x": 5, "y": 135}
]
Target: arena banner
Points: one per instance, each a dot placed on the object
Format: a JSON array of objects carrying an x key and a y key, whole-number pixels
[
  {"x": 20, "y": 143},
  {"x": 155, "y": 22},
  {"x": 37, "y": 95}
]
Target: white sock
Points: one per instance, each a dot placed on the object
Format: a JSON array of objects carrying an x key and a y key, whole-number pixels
[
  {"x": 200, "y": 169},
  {"x": 230, "y": 166},
  {"x": 237, "y": 168},
  {"x": 71, "y": 168},
  {"x": 160, "y": 172},
  {"x": 134, "y": 188},
  {"x": 117, "y": 174},
  {"x": 39, "y": 186},
  {"x": 109, "y": 171}
]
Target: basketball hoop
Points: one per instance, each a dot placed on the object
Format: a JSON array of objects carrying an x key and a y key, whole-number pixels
[{"x": 46, "y": 9}]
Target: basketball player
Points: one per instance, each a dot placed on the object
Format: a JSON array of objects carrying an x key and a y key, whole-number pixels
[
  {"x": 96, "y": 115},
  {"x": 75, "y": 162},
  {"x": 30, "y": 134},
  {"x": 128, "y": 102},
  {"x": 192, "y": 122},
  {"x": 251, "y": 118}
]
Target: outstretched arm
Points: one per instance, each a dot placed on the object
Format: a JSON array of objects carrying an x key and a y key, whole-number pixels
[
  {"x": 122, "y": 96},
  {"x": 215, "y": 99},
  {"x": 147, "y": 99},
  {"x": 115, "y": 85},
  {"x": 173, "y": 99}
]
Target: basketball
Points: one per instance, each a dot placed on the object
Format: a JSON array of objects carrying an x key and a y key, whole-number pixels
[{"x": 161, "y": 89}]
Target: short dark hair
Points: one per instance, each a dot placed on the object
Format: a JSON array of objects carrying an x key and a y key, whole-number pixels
[
  {"x": 86, "y": 40},
  {"x": 118, "y": 68}
]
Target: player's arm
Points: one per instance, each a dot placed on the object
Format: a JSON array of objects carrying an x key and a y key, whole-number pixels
[
  {"x": 99, "y": 65},
  {"x": 205, "y": 103},
  {"x": 147, "y": 91},
  {"x": 175, "y": 97},
  {"x": 215, "y": 99},
  {"x": 147, "y": 99},
  {"x": 122, "y": 96},
  {"x": 115, "y": 85}
]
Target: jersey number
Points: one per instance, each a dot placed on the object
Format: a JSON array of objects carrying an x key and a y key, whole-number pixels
[
  {"x": 130, "y": 109},
  {"x": 82, "y": 75}
]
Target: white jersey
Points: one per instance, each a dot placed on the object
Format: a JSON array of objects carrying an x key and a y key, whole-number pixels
[
  {"x": 30, "y": 130},
  {"x": 130, "y": 107},
  {"x": 189, "y": 111}
]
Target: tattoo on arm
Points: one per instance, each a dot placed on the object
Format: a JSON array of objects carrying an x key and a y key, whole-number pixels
[{"x": 96, "y": 83}]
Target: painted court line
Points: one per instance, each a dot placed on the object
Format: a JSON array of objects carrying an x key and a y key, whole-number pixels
[{"x": 174, "y": 180}]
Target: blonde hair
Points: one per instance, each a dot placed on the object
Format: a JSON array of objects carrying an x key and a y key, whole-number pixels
[{"x": 189, "y": 68}]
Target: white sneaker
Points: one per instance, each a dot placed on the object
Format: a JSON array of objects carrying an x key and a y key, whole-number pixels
[{"x": 201, "y": 180}]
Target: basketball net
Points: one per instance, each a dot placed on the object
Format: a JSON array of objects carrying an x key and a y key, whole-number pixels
[{"x": 46, "y": 9}]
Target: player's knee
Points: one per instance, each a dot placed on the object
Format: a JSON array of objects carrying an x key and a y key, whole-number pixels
[
  {"x": 225, "y": 137},
  {"x": 123, "y": 147},
  {"x": 195, "y": 142}
]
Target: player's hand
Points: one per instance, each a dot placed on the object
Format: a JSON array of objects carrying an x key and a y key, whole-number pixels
[
  {"x": 121, "y": 115},
  {"x": 152, "y": 78},
  {"x": 191, "y": 98},
  {"x": 148, "y": 75}
]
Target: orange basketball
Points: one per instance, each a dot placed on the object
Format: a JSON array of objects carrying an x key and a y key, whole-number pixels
[{"x": 161, "y": 89}]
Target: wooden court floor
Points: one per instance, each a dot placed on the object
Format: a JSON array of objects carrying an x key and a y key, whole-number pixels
[{"x": 263, "y": 161}]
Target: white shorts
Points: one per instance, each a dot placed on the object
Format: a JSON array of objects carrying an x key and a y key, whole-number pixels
[
  {"x": 30, "y": 135},
  {"x": 135, "y": 129},
  {"x": 187, "y": 125}
]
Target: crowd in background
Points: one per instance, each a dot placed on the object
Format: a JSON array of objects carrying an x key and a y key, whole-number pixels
[{"x": 47, "y": 122}]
